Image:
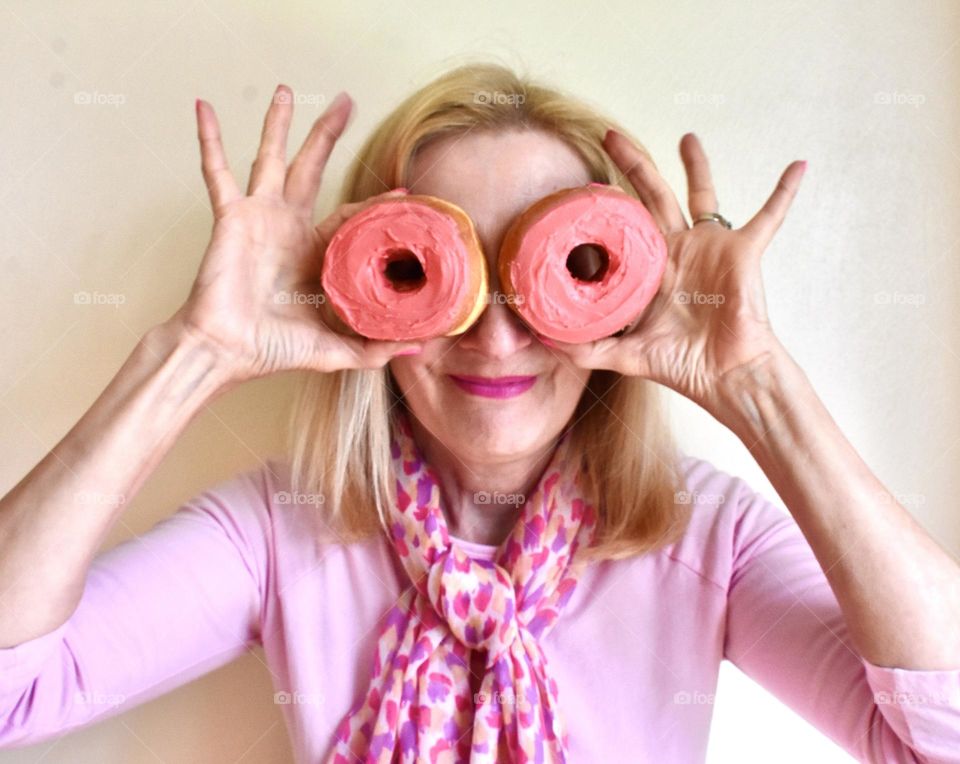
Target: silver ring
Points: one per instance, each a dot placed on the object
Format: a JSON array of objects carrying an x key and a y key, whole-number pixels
[{"x": 713, "y": 217}]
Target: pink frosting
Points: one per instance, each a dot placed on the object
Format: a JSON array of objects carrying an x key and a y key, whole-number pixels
[
  {"x": 555, "y": 303},
  {"x": 354, "y": 281}
]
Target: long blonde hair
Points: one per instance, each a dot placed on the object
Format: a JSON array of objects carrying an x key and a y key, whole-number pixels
[{"x": 339, "y": 431}]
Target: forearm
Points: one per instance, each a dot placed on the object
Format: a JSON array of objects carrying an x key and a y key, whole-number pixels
[
  {"x": 54, "y": 520},
  {"x": 898, "y": 589}
]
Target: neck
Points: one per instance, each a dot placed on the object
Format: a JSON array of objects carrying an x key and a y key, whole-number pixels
[{"x": 482, "y": 500}]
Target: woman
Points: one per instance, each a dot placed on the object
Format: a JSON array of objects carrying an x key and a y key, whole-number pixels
[{"x": 556, "y": 581}]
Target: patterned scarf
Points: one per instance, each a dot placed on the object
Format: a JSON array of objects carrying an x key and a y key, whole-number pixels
[{"x": 419, "y": 706}]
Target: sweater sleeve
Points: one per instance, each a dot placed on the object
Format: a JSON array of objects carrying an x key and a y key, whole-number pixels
[
  {"x": 157, "y": 611},
  {"x": 785, "y": 629}
]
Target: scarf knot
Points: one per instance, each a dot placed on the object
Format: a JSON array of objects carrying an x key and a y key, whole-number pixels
[{"x": 476, "y": 598}]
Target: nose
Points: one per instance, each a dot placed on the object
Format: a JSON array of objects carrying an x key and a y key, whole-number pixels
[{"x": 498, "y": 333}]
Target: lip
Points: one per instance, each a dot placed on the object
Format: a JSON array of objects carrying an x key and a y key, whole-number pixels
[{"x": 493, "y": 387}]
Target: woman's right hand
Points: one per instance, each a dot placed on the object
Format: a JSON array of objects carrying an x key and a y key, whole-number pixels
[{"x": 257, "y": 293}]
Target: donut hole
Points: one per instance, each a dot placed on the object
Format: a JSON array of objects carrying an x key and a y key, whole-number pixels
[
  {"x": 588, "y": 262},
  {"x": 403, "y": 270}
]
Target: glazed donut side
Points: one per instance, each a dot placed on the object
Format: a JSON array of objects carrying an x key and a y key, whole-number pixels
[
  {"x": 477, "y": 262},
  {"x": 548, "y": 297},
  {"x": 406, "y": 269}
]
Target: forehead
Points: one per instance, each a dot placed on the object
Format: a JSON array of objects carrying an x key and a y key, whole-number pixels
[{"x": 495, "y": 174}]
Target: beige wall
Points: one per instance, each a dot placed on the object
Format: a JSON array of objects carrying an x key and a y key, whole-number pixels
[{"x": 107, "y": 197}]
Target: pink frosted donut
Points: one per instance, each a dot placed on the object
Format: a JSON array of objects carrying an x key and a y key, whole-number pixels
[
  {"x": 542, "y": 248},
  {"x": 406, "y": 269}
]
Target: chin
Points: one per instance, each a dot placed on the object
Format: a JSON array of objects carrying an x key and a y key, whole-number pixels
[{"x": 485, "y": 430}]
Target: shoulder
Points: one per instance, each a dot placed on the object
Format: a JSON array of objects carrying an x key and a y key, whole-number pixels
[
  {"x": 238, "y": 507},
  {"x": 260, "y": 513},
  {"x": 294, "y": 519},
  {"x": 727, "y": 518},
  {"x": 263, "y": 497}
]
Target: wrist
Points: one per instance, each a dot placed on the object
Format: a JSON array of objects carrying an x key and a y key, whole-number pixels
[
  {"x": 751, "y": 400},
  {"x": 174, "y": 338}
]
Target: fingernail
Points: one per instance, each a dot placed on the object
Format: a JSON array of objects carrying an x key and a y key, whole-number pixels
[
  {"x": 338, "y": 99},
  {"x": 803, "y": 166},
  {"x": 548, "y": 342},
  {"x": 408, "y": 351},
  {"x": 401, "y": 190},
  {"x": 196, "y": 105},
  {"x": 606, "y": 136}
]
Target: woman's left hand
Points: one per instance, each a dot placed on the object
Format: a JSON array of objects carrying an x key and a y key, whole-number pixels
[{"x": 709, "y": 316}]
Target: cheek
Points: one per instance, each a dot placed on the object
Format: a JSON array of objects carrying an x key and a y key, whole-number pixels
[
  {"x": 570, "y": 379},
  {"x": 562, "y": 389},
  {"x": 413, "y": 370}
]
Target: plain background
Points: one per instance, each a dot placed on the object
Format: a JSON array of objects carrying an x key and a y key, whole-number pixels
[{"x": 101, "y": 193}]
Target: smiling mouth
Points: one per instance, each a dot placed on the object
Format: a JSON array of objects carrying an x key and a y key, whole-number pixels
[{"x": 493, "y": 387}]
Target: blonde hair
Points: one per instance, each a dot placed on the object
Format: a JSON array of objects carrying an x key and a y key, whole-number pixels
[{"x": 339, "y": 432}]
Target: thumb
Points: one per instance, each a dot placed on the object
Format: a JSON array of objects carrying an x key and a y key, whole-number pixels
[
  {"x": 375, "y": 354},
  {"x": 576, "y": 351},
  {"x": 333, "y": 351}
]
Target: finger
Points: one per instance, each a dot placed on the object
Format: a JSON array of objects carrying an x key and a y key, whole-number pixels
[
  {"x": 701, "y": 196},
  {"x": 620, "y": 354},
  {"x": 306, "y": 169},
  {"x": 583, "y": 354},
  {"x": 270, "y": 166},
  {"x": 650, "y": 186},
  {"x": 221, "y": 187},
  {"x": 768, "y": 219},
  {"x": 346, "y": 352}
]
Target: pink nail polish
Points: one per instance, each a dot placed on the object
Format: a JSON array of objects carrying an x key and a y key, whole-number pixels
[{"x": 548, "y": 342}]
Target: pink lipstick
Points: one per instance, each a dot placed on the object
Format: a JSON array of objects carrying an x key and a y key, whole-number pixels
[{"x": 493, "y": 387}]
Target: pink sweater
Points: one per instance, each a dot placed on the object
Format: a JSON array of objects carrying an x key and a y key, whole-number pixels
[{"x": 635, "y": 653}]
